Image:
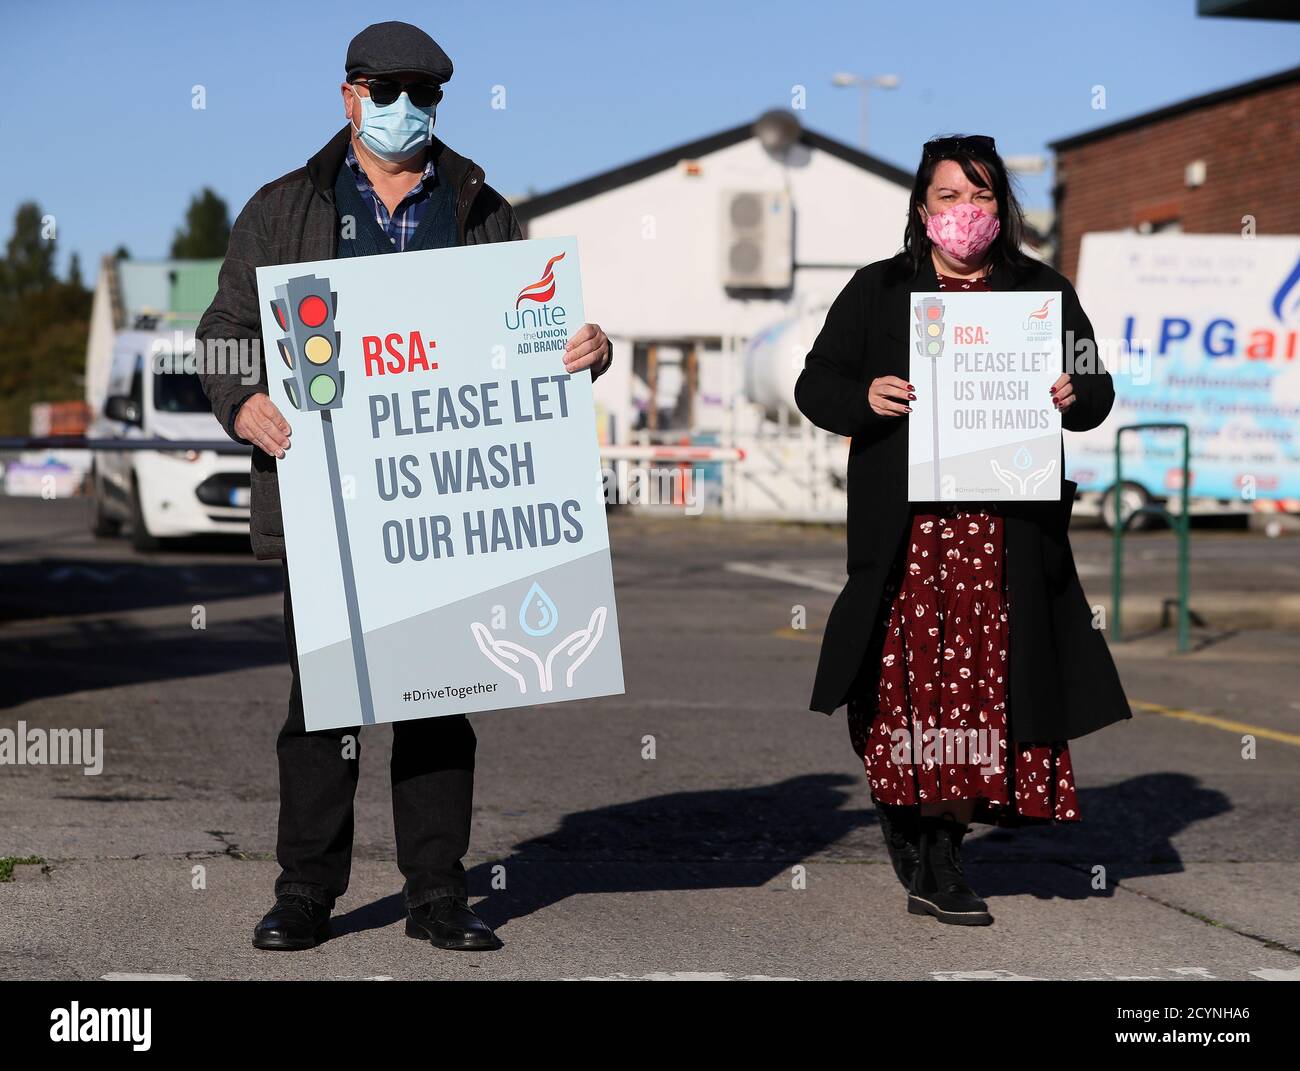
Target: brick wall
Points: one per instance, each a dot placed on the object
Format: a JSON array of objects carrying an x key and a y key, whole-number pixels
[{"x": 1251, "y": 149}]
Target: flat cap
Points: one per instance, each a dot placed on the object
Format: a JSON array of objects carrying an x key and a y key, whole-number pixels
[{"x": 389, "y": 47}]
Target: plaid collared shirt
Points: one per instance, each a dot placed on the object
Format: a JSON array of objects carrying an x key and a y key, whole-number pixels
[{"x": 402, "y": 223}]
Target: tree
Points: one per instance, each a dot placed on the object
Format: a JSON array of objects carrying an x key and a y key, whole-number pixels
[
  {"x": 207, "y": 228},
  {"x": 42, "y": 352},
  {"x": 43, "y": 322},
  {"x": 29, "y": 257}
]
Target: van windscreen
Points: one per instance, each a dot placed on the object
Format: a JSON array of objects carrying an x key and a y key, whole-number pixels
[{"x": 179, "y": 392}]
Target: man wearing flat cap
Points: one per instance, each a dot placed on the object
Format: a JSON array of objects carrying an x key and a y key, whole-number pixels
[{"x": 383, "y": 184}]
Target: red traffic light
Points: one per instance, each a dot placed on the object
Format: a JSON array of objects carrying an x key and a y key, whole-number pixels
[{"x": 312, "y": 311}]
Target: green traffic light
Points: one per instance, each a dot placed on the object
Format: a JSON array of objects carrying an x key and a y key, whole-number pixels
[{"x": 323, "y": 389}]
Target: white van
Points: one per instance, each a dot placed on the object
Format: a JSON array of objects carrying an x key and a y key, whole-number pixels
[{"x": 162, "y": 493}]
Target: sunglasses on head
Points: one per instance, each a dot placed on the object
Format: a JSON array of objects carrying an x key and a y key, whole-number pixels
[
  {"x": 383, "y": 91},
  {"x": 980, "y": 143}
]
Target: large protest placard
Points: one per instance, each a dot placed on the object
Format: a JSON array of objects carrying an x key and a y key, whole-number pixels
[
  {"x": 983, "y": 427},
  {"x": 443, "y": 513}
]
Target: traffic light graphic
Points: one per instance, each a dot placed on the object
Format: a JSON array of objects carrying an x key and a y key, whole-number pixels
[
  {"x": 304, "y": 308},
  {"x": 929, "y": 343},
  {"x": 929, "y": 327}
]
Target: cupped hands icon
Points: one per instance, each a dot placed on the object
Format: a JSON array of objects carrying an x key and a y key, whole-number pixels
[
  {"x": 571, "y": 652},
  {"x": 1023, "y": 485}
]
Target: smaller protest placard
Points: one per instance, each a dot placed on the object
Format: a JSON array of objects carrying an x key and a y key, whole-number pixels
[{"x": 983, "y": 427}]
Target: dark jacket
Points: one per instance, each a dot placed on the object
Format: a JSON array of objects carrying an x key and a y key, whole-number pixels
[
  {"x": 1063, "y": 682},
  {"x": 290, "y": 220}
]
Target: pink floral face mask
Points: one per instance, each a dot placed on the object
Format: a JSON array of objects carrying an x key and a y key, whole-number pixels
[{"x": 964, "y": 231}]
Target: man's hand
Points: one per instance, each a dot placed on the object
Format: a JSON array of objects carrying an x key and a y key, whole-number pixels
[
  {"x": 261, "y": 423},
  {"x": 587, "y": 349}
]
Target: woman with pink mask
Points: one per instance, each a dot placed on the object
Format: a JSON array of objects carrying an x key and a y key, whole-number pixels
[{"x": 955, "y": 617}]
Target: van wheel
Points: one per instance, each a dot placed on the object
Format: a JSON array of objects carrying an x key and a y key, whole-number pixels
[
  {"x": 102, "y": 526},
  {"x": 140, "y": 537},
  {"x": 1132, "y": 496}
]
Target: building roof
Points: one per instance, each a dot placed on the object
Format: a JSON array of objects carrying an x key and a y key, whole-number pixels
[
  {"x": 1278, "y": 10},
  {"x": 1219, "y": 96},
  {"x": 176, "y": 292},
  {"x": 691, "y": 150}
]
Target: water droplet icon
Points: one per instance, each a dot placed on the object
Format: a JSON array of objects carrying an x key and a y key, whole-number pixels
[
  {"x": 1023, "y": 458},
  {"x": 537, "y": 613}
]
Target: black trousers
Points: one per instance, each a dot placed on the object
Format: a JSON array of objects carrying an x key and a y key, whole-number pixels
[{"x": 432, "y": 774}]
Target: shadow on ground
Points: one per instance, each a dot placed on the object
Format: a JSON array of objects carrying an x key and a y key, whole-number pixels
[
  {"x": 745, "y": 837},
  {"x": 1127, "y": 828},
  {"x": 65, "y": 652}
]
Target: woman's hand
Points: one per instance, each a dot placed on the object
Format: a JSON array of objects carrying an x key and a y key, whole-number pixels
[
  {"x": 889, "y": 396},
  {"x": 1063, "y": 394}
]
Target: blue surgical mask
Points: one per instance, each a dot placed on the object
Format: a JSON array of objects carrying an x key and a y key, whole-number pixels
[{"x": 396, "y": 132}]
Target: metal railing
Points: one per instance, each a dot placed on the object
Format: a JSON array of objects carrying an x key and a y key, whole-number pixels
[
  {"x": 1180, "y": 523},
  {"x": 80, "y": 442},
  {"x": 672, "y": 454}
]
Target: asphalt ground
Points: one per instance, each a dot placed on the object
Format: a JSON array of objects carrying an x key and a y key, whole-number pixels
[{"x": 745, "y": 848}]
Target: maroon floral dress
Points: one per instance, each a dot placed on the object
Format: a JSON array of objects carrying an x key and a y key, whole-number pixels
[{"x": 938, "y": 727}]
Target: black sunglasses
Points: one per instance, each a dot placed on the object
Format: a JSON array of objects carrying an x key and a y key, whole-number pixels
[
  {"x": 971, "y": 143},
  {"x": 383, "y": 91}
]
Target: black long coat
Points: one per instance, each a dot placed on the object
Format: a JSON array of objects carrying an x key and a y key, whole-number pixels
[{"x": 1062, "y": 681}]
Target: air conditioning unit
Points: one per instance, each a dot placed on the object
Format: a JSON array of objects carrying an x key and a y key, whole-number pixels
[{"x": 757, "y": 239}]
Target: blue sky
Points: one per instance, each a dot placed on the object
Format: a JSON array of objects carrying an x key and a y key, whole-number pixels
[{"x": 100, "y": 130}]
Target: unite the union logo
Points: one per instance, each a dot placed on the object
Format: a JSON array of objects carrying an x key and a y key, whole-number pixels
[
  {"x": 1040, "y": 324},
  {"x": 542, "y": 293},
  {"x": 544, "y": 289}
]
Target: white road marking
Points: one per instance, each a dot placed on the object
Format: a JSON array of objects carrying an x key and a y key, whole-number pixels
[
  {"x": 784, "y": 576},
  {"x": 683, "y": 976},
  {"x": 125, "y": 976},
  {"x": 1270, "y": 974},
  {"x": 805, "y": 580}
]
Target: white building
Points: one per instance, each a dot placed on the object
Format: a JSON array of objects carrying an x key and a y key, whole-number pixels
[{"x": 689, "y": 254}]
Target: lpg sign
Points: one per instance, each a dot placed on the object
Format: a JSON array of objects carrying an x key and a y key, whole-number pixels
[{"x": 1217, "y": 318}]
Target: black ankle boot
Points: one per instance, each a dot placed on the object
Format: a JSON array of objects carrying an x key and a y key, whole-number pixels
[
  {"x": 902, "y": 832},
  {"x": 939, "y": 887}
]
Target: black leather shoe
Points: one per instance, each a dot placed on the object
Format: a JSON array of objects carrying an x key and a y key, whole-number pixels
[
  {"x": 939, "y": 887},
  {"x": 295, "y": 923},
  {"x": 450, "y": 923},
  {"x": 902, "y": 832}
]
